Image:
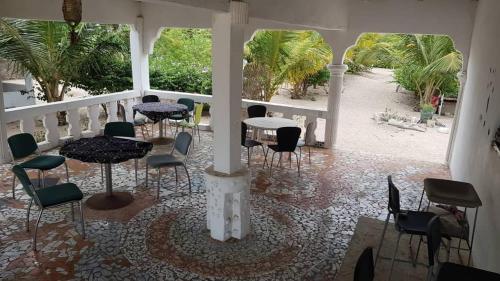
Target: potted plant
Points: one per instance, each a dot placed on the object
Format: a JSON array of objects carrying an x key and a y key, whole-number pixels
[{"x": 426, "y": 112}]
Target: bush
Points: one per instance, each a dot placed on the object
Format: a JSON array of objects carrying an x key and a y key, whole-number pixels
[
  {"x": 181, "y": 79},
  {"x": 319, "y": 78}
]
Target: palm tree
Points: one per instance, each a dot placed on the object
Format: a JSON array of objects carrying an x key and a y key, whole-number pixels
[
  {"x": 308, "y": 54},
  {"x": 433, "y": 59}
]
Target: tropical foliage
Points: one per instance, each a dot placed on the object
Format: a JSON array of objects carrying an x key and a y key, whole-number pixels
[
  {"x": 425, "y": 64},
  {"x": 275, "y": 57}
]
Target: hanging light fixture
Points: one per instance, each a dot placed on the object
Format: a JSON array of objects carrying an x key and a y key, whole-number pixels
[{"x": 72, "y": 12}]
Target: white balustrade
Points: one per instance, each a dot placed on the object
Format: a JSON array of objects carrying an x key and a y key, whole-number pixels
[
  {"x": 74, "y": 128},
  {"x": 51, "y": 130},
  {"x": 28, "y": 125},
  {"x": 129, "y": 112},
  {"x": 94, "y": 128},
  {"x": 112, "y": 111}
]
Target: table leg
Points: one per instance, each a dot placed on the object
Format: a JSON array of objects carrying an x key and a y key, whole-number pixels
[
  {"x": 109, "y": 179},
  {"x": 160, "y": 124},
  {"x": 472, "y": 239}
]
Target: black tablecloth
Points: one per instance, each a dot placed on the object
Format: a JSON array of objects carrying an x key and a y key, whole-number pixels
[
  {"x": 105, "y": 149},
  {"x": 158, "y": 111}
]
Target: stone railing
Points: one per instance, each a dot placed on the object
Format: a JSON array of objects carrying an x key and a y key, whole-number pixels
[
  {"x": 48, "y": 112},
  {"x": 303, "y": 115}
]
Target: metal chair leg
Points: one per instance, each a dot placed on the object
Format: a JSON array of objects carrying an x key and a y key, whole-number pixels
[
  {"x": 28, "y": 216},
  {"x": 14, "y": 187},
  {"x": 189, "y": 178},
  {"x": 176, "y": 178},
  {"x": 199, "y": 135},
  {"x": 394, "y": 256},
  {"x": 265, "y": 157},
  {"x": 248, "y": 155},
  {"x": 82, "y": 220},
  {"x": 298, "y": 163},
  {"x": 158, "y": 190},
  {"x": 271, "y": 167},
  {"x": 67, "y": 171},
  {"x": 309, "y": 148},
  {"x": 102, "y": 174},
  {"x": 36, "y": 229},
  {"x": 147, "y": 174},
  {"x": 382, "y": 238},
  {"x": 136, "y": 164}
]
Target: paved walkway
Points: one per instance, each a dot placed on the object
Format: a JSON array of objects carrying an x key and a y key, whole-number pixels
[{"x": 301, "y": 227}]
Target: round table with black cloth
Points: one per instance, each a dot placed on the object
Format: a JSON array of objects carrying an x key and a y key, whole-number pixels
[
  {"x": 158, "y": 111},
  {"x": 106, "y": 150}
]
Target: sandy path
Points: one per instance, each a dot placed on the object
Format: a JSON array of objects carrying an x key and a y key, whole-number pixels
[{"x": 362, "y": 97}]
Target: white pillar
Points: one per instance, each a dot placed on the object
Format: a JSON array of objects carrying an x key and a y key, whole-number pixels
[
  {"x": 139, "y": 56},
  {"x": 336, "y": 84},
  {"x": 227, "y": 183},
  {"x": 462, "y": 77},
  {"x": 4, "y": 149}
]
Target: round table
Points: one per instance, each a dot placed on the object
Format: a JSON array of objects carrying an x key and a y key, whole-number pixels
[
  {"x": 270, "y": 123},
  {"x": 157, "y": 112},
  {"x": 106, "y": 150}
]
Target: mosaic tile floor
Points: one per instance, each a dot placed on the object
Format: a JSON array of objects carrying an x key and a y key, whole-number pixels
[{"x": 301, "y": 227}]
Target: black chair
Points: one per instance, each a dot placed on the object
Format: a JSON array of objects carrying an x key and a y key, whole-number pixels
[
  {"x": 177, "y": 118},
  {"x": 365, "y": 270},
  {"x": 49, "y": 197},
  {"x": 287, "y": 138},
  {"x": 406, "y": 222},
  {"x": 150, "y": 98},
  {"x": 450, "y": 271},
  {"x": 120, "y": 129},
  {"x": 181, "y": 145},
  {"x": 141, "y": 123},
  {"x": 249, "y": 143},
  {"x": 256, "y": 111},
  {"x": 24, "y": 145}
]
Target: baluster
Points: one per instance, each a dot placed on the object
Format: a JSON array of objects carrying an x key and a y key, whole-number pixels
[
  {"x": 94, "y": 125},
  {"x": 288, "y": 115},
  {"x": 112, "y": 111},
  {"x": 129, "y": 112},
  {"x": 311, "y": 119},
  {"x": 51, "y": 129},
  {"x": 28, "y": 125},
  {"x": 74, "y": 128}
]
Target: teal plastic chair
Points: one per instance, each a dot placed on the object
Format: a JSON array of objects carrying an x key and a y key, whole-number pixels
[
  {"x": 181, "y": 146},
  {"x": 120, "y": 129},
  {"x": 24, "y": 145},
  {"x": 49, "y": 197}
]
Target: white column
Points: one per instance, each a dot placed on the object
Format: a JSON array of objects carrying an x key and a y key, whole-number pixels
[
  {"x": 336, "y": 84},
  {"x": 4, "y": 149},
  {"x": 462, "y": 77},
  {"x": 139, "y": 56},
  {"x": 227, "y": 183}
]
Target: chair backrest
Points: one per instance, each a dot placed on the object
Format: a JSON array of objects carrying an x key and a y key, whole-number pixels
[
  {"x": 365, "y": 270},
  {"x": 433, "y": 239},
  {"x": 119, "y": 129},
  {"x": 187, "y": 102},
  {"x": 198, "y": 110},
  {"x": 182, "y": 143},
  {"x": 244, "y": 130},
  {"x": 22, "y": 145},
  {"x": 394, "y": 203},
  {"x": 309, "y": 137},
  {"x": 23, "y": 177},
  {"x": 287, "y": 138},
  {"x": 256, "y": 111},
  {"x": 150, "y": 98}
]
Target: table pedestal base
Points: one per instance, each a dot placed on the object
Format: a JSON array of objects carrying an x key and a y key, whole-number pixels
[{"x": 104, "y": 201}]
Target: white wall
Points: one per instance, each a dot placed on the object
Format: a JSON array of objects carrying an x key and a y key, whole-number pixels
[{"x": 473, "y": 160}]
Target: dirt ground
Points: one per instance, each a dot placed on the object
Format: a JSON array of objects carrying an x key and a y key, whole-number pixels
[{"x": 365, "y": 95}]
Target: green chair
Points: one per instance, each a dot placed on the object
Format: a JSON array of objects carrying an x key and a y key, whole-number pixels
[
  {"x": 120, "y": 129},
  {"x": 175, "y": 119},
  {"x": 181, "y": 145},
  {"x": 194, "y": 125},
  {"x": 24, "y": 145},
  {"x": 48, "y": 197}
]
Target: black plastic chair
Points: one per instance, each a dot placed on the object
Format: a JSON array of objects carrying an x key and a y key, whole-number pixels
[
  {"x": 249, "y": 143},
  {"x": 365, "y": 270},
  {"x": 287, "y": 138},
  {"x": 450, "y": 271},
  {"x": 181, "y": 145},
  {"x": 256, "y": 111},
  {"x": 120, "y": 129},
  {"x": 150, "y": 98},
  {"x": 141, "y": 123},
  {"x": 405, "y": 221},
  {"x": 24, "y": 145},
  {"x": 307, "y": 141},
  {"x": 48, "y": 197}
]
